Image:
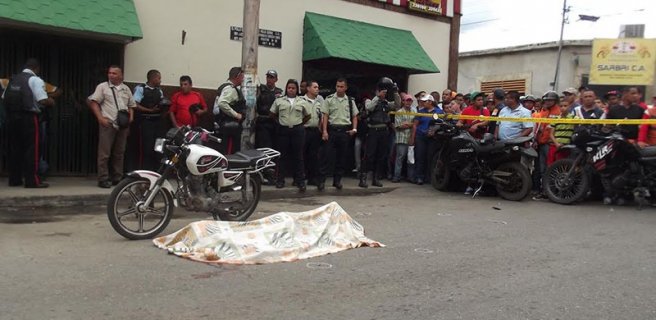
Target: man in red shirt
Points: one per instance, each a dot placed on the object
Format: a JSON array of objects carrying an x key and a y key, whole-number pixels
[
  {"x": 475, "y": 127},
  {"x": 187, "y": 105}
]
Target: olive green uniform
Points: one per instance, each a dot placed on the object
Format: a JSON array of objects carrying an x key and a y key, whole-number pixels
[
  {"x": 339, "y": 122},
  {"x": 290, "y": 137}
]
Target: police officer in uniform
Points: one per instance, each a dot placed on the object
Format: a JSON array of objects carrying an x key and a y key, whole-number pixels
[
  {"x": 265, "y": 128},
  {"x": 148, "y": 123},
  {"x": 24, "y": 99},
  {"x": 229, "y": 107},
  {"x": 290, "y": 114},
  {"x": 376, "y": 153},
  {"x": 312, "y": 102},
  {"x": 339, "y": 123}
]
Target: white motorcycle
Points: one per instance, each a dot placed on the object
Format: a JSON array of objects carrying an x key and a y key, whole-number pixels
[{"x": 228, "y": 187}]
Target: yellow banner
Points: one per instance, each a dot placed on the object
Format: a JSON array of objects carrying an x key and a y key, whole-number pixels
[{"x": 626, "y": 61}]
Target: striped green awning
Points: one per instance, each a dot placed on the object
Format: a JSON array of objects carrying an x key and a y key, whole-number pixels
[{"x": 331, "y": 37}]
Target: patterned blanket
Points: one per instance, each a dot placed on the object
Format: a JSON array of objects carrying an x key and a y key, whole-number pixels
[{"x": 285, "y": 236}]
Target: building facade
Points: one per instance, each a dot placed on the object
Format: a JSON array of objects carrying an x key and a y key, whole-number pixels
[{"x": 414, "y": 42}]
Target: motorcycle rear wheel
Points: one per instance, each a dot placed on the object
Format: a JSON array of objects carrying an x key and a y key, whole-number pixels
[
  {"x": 123, "y": 210},
  {"x": 519, "y": 182},
  {"x": 248, "y": 208},
  {"x": 562, "y": 189}
]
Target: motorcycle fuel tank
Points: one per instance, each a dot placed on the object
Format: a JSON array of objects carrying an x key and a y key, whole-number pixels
[{"x": 203, "y": 160}]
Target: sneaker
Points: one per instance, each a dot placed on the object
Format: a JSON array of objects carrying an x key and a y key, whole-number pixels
[
  {"x": 621, "y": 201},
  {"x": 396, "y": 180},
  {"x": 469, "y": 191},
  {"x": 420, "y": 181},
  {"x": 539, "y": 197},
  {"x": 280, "y": 184},
  {"x": 608, "y": 201}
]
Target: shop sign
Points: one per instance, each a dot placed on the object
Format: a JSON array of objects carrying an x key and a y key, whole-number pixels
[
  {"x": 267, "y": 38},
  {"x": 426, "y": 6},
  {"x": 625, "y": 61}
]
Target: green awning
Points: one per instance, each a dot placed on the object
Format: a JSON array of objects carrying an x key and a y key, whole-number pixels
[
  {"x": 331, "y": 37},
  {"x": 100, "y": 18}
]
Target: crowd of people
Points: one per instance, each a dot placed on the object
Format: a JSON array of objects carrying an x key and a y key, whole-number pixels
[{"x": 382, "y": 137}]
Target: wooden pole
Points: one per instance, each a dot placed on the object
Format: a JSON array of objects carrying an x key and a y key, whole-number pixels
[{"x": 249, "y": 45}]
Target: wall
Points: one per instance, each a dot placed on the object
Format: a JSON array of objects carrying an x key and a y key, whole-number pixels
[
  {"x": 536, "y": 66},
  {"x": 208, "y": 52}
]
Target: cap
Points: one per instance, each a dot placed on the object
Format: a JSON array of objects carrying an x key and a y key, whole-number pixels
[
  {"x": 272, "y": 73},
  {"x": 406, "y": 97},
  {"x": 570, "y": 90},
  {"x": 611, "y": 93},
  {"x": 427, "y": 97},
  {"x": 529, "y": 98},
  {"x": 475, "y": 94},
  {"x": 499, "y": 94}
]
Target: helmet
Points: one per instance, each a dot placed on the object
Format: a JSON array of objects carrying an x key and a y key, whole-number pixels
[
  {"x": 551, "y": 95},
  {"x": 385, "y": 83}
]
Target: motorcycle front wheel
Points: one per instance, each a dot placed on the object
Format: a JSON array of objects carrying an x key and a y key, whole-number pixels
[
  {"x": 440, "y": 175},
  {"x": 130, "y": 218},
  {"x": 562, "y": 187},
  {"x": 246, "y": 209},
  {"x": 518, "y": 184}
]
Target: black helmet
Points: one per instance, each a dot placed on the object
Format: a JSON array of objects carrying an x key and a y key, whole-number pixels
[
  {"x": 550, "y": 95},
  {"x": 385, "y": 83}
]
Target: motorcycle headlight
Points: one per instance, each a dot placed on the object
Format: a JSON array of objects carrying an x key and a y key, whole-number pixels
[{"x": 159, "y": 145}]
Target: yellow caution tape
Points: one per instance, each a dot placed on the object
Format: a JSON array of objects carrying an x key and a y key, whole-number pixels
[{"x": 537, "y": 120}]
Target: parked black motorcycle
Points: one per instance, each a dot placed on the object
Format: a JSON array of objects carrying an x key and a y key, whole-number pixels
[
  {"x": 625, "y": 169},
  {"x": 479, "y": 162}
]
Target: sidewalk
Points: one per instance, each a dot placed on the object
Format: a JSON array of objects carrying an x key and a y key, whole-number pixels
[{"x": 83, "y": 191}]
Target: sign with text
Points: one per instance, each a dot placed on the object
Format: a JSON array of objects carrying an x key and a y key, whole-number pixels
[
  {"x": 625, "y": 61},
  {"x": 426, "y": 6},
  {"x": 267, "y": 38}
]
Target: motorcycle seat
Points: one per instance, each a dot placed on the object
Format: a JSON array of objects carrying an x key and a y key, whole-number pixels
[
  {"x": 519, "y": 140},
  {"x": 244, "y": 159},
  {"x": 648, "y": 152},
  {"x": 489, "y": 147}
]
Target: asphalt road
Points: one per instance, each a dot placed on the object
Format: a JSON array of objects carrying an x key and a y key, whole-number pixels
[{"x": 447, "y": 257}]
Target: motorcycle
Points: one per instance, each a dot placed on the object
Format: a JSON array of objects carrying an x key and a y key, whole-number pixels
[
  {"x": 625, "y": 169},
  {"x": 479, "y": 162},
  {"x": 141, "y": 205}
]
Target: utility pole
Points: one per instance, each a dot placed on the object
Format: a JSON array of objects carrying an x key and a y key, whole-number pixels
[
  {"x": 560, "y": 45},
  {"x": 249, "y": 44}
]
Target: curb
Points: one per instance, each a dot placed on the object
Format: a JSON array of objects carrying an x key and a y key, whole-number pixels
[{"x": 57, "y": 205}]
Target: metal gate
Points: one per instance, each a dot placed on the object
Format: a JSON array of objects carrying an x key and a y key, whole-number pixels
[{"x": 76, "y": 66}]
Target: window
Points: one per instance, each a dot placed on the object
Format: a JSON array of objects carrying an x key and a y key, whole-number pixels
[{"x": 507, "y": 85}]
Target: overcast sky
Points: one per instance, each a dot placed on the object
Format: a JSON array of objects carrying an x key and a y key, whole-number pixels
[{"x": 490, "y": 24}]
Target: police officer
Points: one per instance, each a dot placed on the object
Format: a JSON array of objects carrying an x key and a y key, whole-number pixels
[
  {"x": 339, "y": 123},
  {"x": 229, "y": 107},
  {"x": 148, "y": 123},
  {"x": 265, "y": 128},
  {"x": 377, "y": 141},
  {"x": 312, "y": 102},
  {"x": 290, "y": 114},
  {"x": 24, "y": 99}
]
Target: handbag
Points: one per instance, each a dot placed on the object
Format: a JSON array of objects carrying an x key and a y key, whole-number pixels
[
  {"x": 411, "y": 155},
  {"x": 122, "y": 116}
]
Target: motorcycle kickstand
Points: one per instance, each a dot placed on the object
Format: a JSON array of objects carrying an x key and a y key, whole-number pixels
[{"x": 480, "y": 187}]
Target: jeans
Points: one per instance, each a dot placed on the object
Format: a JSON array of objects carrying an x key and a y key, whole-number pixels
[
  {"x": 421, "y": 156},
  {"x": 540, "y": 166},
  {"x": 401, "y": 153}
]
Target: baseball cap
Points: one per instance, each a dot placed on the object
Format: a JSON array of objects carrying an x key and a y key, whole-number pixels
[
  {"x": 611, "y": 93},
  {"x": 272, "y": 73},
  {"x": 406, "y": 97},
  {"x": 427, "y": 97},
  {"x": 570, "y": 90},
  {"x": 499, "y": 93},
  {"x": 475, "y": 94}
]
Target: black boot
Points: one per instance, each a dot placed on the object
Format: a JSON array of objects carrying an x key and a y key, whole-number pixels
[
  {"x": 337, "y": 182},
  {"x": 363, "y": 180},
  {"x": 375, "y": 181}
]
